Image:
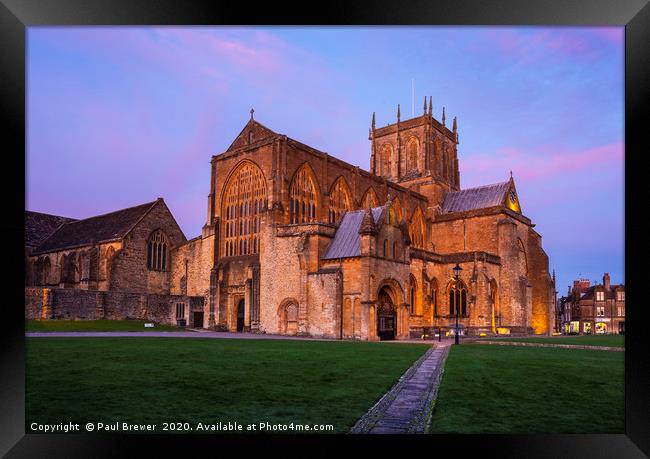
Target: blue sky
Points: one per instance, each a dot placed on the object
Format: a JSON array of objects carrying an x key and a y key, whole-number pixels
[{"x": 118, "y": 116}]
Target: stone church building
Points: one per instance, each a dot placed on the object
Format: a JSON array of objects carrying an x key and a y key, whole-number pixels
[{"x": 298, "y": 242}]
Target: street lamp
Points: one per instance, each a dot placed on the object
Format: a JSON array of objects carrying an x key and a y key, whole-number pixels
[{"x": 457, "y": 269}]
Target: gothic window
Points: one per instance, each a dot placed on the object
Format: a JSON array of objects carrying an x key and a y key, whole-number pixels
[
  {"x": 340, "y": 200},
  {"x": 385, "y": 157},
  {"x": 369, "y": 199},
  {"x": 412, "y": 154},
  {"x": 413, "y": 294},
  {"x": 157, "y": 251},
  {"x": 434, "y": 297},
  {"x": 457, "y": 299},
  {"x": 244, "y": 200},
  {"x": 395, "y": 250},
  {"x": 385, "y": 245},
  {"x": 47, "y": 272},
  {"x": 416, "y": 229},
  {"x": 395, "y": 212},
  {"x": 303, "y": 203}
]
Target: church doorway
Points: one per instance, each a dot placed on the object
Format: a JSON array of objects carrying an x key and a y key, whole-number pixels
[
  {"x": 198, "y": 319},
  {"x": 386, "y": 316},
  {"x": 240, "y": 315}
]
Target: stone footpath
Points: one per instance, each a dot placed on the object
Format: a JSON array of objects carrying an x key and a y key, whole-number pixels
[
  {"x": 407, "y": 407},
  {"x": 565, "y": 346}
]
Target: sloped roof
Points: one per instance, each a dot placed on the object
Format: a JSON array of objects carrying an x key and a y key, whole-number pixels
[
  {"x": 475, "y": 198},
  {"x": 39, "y": 226},
  {"x": 590, "y": 293},
  {"x": 97, "y": 229},
  {"x": 347, "y": 242}
]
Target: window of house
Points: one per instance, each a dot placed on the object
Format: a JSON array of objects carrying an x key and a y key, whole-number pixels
[
  {"x": 621, "y": 311},
  {"x": 600, "y": 296},
  {"x": 180, "y": 310},
  {"x": 157, "y": 251},
  {"x": 600, "y": 310},
  {"x": 586, "y": 327},
  {"x": 620, "y": 296}
]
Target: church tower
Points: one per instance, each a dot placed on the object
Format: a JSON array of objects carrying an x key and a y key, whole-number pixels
[{"x": 419, "y": 153}]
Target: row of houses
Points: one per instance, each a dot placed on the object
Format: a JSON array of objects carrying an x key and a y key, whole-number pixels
[{"x": 592, "y": 309}]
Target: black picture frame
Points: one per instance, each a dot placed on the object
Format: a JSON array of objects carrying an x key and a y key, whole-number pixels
[{"x": 17, "y": 15}]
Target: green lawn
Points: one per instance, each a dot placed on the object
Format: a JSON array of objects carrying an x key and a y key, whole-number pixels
[
  {"x": 509, "y": 389},
  {"x": 209, "y": 380},
  {"x": 94, "y": 325},
  {"x": 582, "y": 340}
]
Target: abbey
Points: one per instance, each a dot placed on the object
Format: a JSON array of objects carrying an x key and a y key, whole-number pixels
[{"x": 298, "y": 242}]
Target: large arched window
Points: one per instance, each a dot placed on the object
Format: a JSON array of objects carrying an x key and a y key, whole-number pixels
[
  {"x": 303, "y": 198},
  {"x": 416, "y": 229},
  {"x": 340, "y": 200},
  {"x": 385, "y": 157},
  {"x": 457, "y": 299},
  {"x": 157, "y": 251},
  {"x": 369, "y": 199},
  {"x": 412, "y": 148},
  {"x": 244, "y": 199}
]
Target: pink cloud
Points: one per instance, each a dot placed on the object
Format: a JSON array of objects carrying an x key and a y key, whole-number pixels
[
  {"x": 536, "y": 166},
  {"x": 532, "y": 45}
]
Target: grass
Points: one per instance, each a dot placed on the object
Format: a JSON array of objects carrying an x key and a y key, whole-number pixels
[
  {"x": 209, "y": 380},
  {"x": 504, "y": 389},
  {"x": 581, "y": 340},
  {"x": 94, "y": 325}
]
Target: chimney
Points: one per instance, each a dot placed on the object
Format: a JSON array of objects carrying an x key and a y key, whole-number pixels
[{"x": 606, "y": 281}]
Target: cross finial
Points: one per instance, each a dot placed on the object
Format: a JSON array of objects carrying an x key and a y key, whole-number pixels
[
  {"x": 252, "y": 111},
  {"x": 510, "y": 174}
]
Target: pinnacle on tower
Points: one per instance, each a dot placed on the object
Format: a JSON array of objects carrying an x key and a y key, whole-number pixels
[
  {"x": 443, "y": 116},
  {"x": 373, "y": 121},
  {"x": 430, "y": 105},
  {"x": 455, "y": 126},
  {"x": 425, "y": 105},
  {"x": 397, "y": 112}
]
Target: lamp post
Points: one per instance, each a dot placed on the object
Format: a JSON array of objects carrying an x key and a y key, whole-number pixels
[{"x": 457, "y": 269}]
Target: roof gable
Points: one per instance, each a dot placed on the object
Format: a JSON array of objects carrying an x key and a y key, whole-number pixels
[
  {"x": 107, "y": 227},
  {"x": 257, "y": 132},
  {"x": 347, "y": 242},
  {"x": 39, "y": 226}
]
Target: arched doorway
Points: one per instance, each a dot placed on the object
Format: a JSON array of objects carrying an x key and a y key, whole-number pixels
[
  {"x": 386, "y": 316},
  {"x": 240, "y": 315}
]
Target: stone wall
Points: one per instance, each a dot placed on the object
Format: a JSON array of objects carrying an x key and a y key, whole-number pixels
[
  {"x": 33, "y": 302},
  {"x": 129, "y": 268},
  {"x": 74, "y": 304}
]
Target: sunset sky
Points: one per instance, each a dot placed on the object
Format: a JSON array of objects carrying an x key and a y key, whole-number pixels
[{"x": 119, "y": 116}]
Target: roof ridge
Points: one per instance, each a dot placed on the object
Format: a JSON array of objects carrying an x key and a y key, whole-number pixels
[
  {"x": 482, "y": 186},
  {"x": 50, "y": 215},
  {"x": 150, "y": 204}
]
